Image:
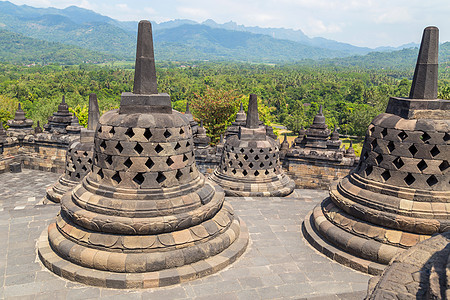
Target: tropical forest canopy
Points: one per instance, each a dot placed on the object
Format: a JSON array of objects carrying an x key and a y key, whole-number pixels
[{"x": 289, "y": 94}]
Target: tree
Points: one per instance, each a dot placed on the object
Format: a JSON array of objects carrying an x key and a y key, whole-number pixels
[{"x": 215, "y": 107}]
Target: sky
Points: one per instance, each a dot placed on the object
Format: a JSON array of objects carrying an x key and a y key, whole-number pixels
[{"x": 367, "y": 23}]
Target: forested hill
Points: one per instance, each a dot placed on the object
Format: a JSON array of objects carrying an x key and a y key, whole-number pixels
[{"x": 17, "y": 48}]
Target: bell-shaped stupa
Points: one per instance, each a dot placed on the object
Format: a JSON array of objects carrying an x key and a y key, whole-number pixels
[
  {"x": 58, "y": 122},
  {"x": 250, "y": 163},
  {"x": 399, "y": 193},
  {"x": 20, "y": 125},
  {"x": 144, "y": 216},
  {"x": 78, "y": 157}
]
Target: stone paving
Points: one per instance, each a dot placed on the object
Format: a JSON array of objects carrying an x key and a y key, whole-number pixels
[{"x": 278, "y": 262}]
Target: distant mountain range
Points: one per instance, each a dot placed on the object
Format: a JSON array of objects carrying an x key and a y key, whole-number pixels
[{"x": 174, "y": 40}]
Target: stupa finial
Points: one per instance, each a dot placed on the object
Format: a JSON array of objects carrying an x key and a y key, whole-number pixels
[
  {"x": 187, "y": 109},
  {"x": 252, "y": 114},
  {"x": 94, "y": 112},
  {"x": 145, "y": 71},
  {"x": 425, "y": 81}
]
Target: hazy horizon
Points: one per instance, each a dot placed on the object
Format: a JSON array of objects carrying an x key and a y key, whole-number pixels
[{"x": 364, "y": 23}]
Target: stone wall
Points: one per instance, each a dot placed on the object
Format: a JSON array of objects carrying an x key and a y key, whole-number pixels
[{"x": 315, "y": 174}]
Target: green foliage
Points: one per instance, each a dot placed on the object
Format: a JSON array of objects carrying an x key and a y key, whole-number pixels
[
  {"x": 17, "y": 48},
  {"x": 289, "y": 95},
  {"x": 215, "y": 107},
  {"x": 82, "y": 113}
]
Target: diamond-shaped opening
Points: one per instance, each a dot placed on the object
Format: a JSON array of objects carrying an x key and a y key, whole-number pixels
[
  {"x": 256, "y": 173},
  {"x": 85, "y": 154},
  {"x": 273, "y": 155},
  {"x": 177, "y": 146},
  {"x": 365, "y": 155},
  {"x": 386, "y": 175},
  {"x": 84, "y": 168},
  {"x": 158, "y": 148},
  {"x": 374, "y": 144},
  {"x": 422, "y": 165},
  {"x": 179, "y": 174},
  {"x": 240, "y": 164},
  {"x": 379, "y": 158},
  {"x": 402, "y": 135},
  {"x": 116, "y": 178},
  {"x": 261, "y": 150},
  {"x": 191, "y": 169},
  {"x": 446, "y": 137},
  {"x": 435, "y": 151},
  {"x": 112, "y": 131},
  {"x": 230, "y": 163},
  {"x": 266, "y": 172},
  {"x": 138, "y": 148},
  {"x": 242, "y": 150},
  {"x": 245, "y": 157},
  {"x": 425, "y": 137},
  {"x": 103, "y": 145},
  {"x": 188, "y": 144},
  {"x": 371, "y": 130},
  {"x": 167, "y": 134},
  {"x": 256, "y": 157},
  {"x": 147, "y": 133},
  {"x": 169, "y": 161},
  {"x": 160, "y": 177},
  {"x": 228, "y": 155},
  {"x": 398, "y": 163},
  {"x": 128, "y": 163},
  {"x": 391, "y": 146},
  {"x": 270, "y": 149},
  {"x": 185, "y": 158},
  {"x": 266, "y": 157},
  {"x": 232, "y": 149},
  {"x": 225, "y": 169},
  {"x": 261, "y": 165},
  {"x": 79, "y": 160},
  {"x": 100, "y": 129},
  {"x": 233, "y": 171},
  {"x": 444, "y": 166},
  {"x": 413, "y": 150},
  {"x": 236, "y": 156},
  {"x": 139, "y": 178},
  {"x": 181, "y": 131},
  {"x": 245, "y": 173},
  {"x": 274, "y": 170},
  {"x": 129, "y": 132},
  {"x": 432, "y": 180},
  {"x": 251, "y": 150},
  {"x": 250, "y": 165},
  {"x": 109, "y": 160},
  {"x": 270, "y": 163},
  {"x": 409, "y": 179},
  {"x": 78, "y": 175},
  {"x": 119, "y": 147},
  {"x": 369, "y": 170},
  {"x": 149, "y": 163},
  {"x": 70, "y": 173},
  {"x": 384, "y": 132}
]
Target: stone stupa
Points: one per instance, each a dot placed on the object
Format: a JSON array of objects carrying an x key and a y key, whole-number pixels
[
  {"x": 58, "y": 122},
  {"x": 250, "y": 163},
  {"x": 399, "y": 193},
  {"x": 144, "y": 217},
  {"x": 20, "y": 125},
  {"x": 78, "y": 157}
]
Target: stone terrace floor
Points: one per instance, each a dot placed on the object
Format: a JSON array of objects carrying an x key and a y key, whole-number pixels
[{"x": 278, "y": 262}]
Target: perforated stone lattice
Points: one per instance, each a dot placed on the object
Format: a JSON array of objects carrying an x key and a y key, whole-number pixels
[
  {"x": 129, "y": 157},
  {"x": 262, "y": 162},
  {"x": 408, "y": 158},
  {"x": 78, "y": 164}
]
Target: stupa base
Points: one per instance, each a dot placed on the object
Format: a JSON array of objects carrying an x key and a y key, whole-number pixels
[
  {"x": 279, "y": 186},
  {"x": 165, "y": 277},
  {"x": 55, "y": 192}
]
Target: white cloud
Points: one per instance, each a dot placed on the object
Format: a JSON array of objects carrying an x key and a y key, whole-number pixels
[{"x": 190, "y": 12}]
